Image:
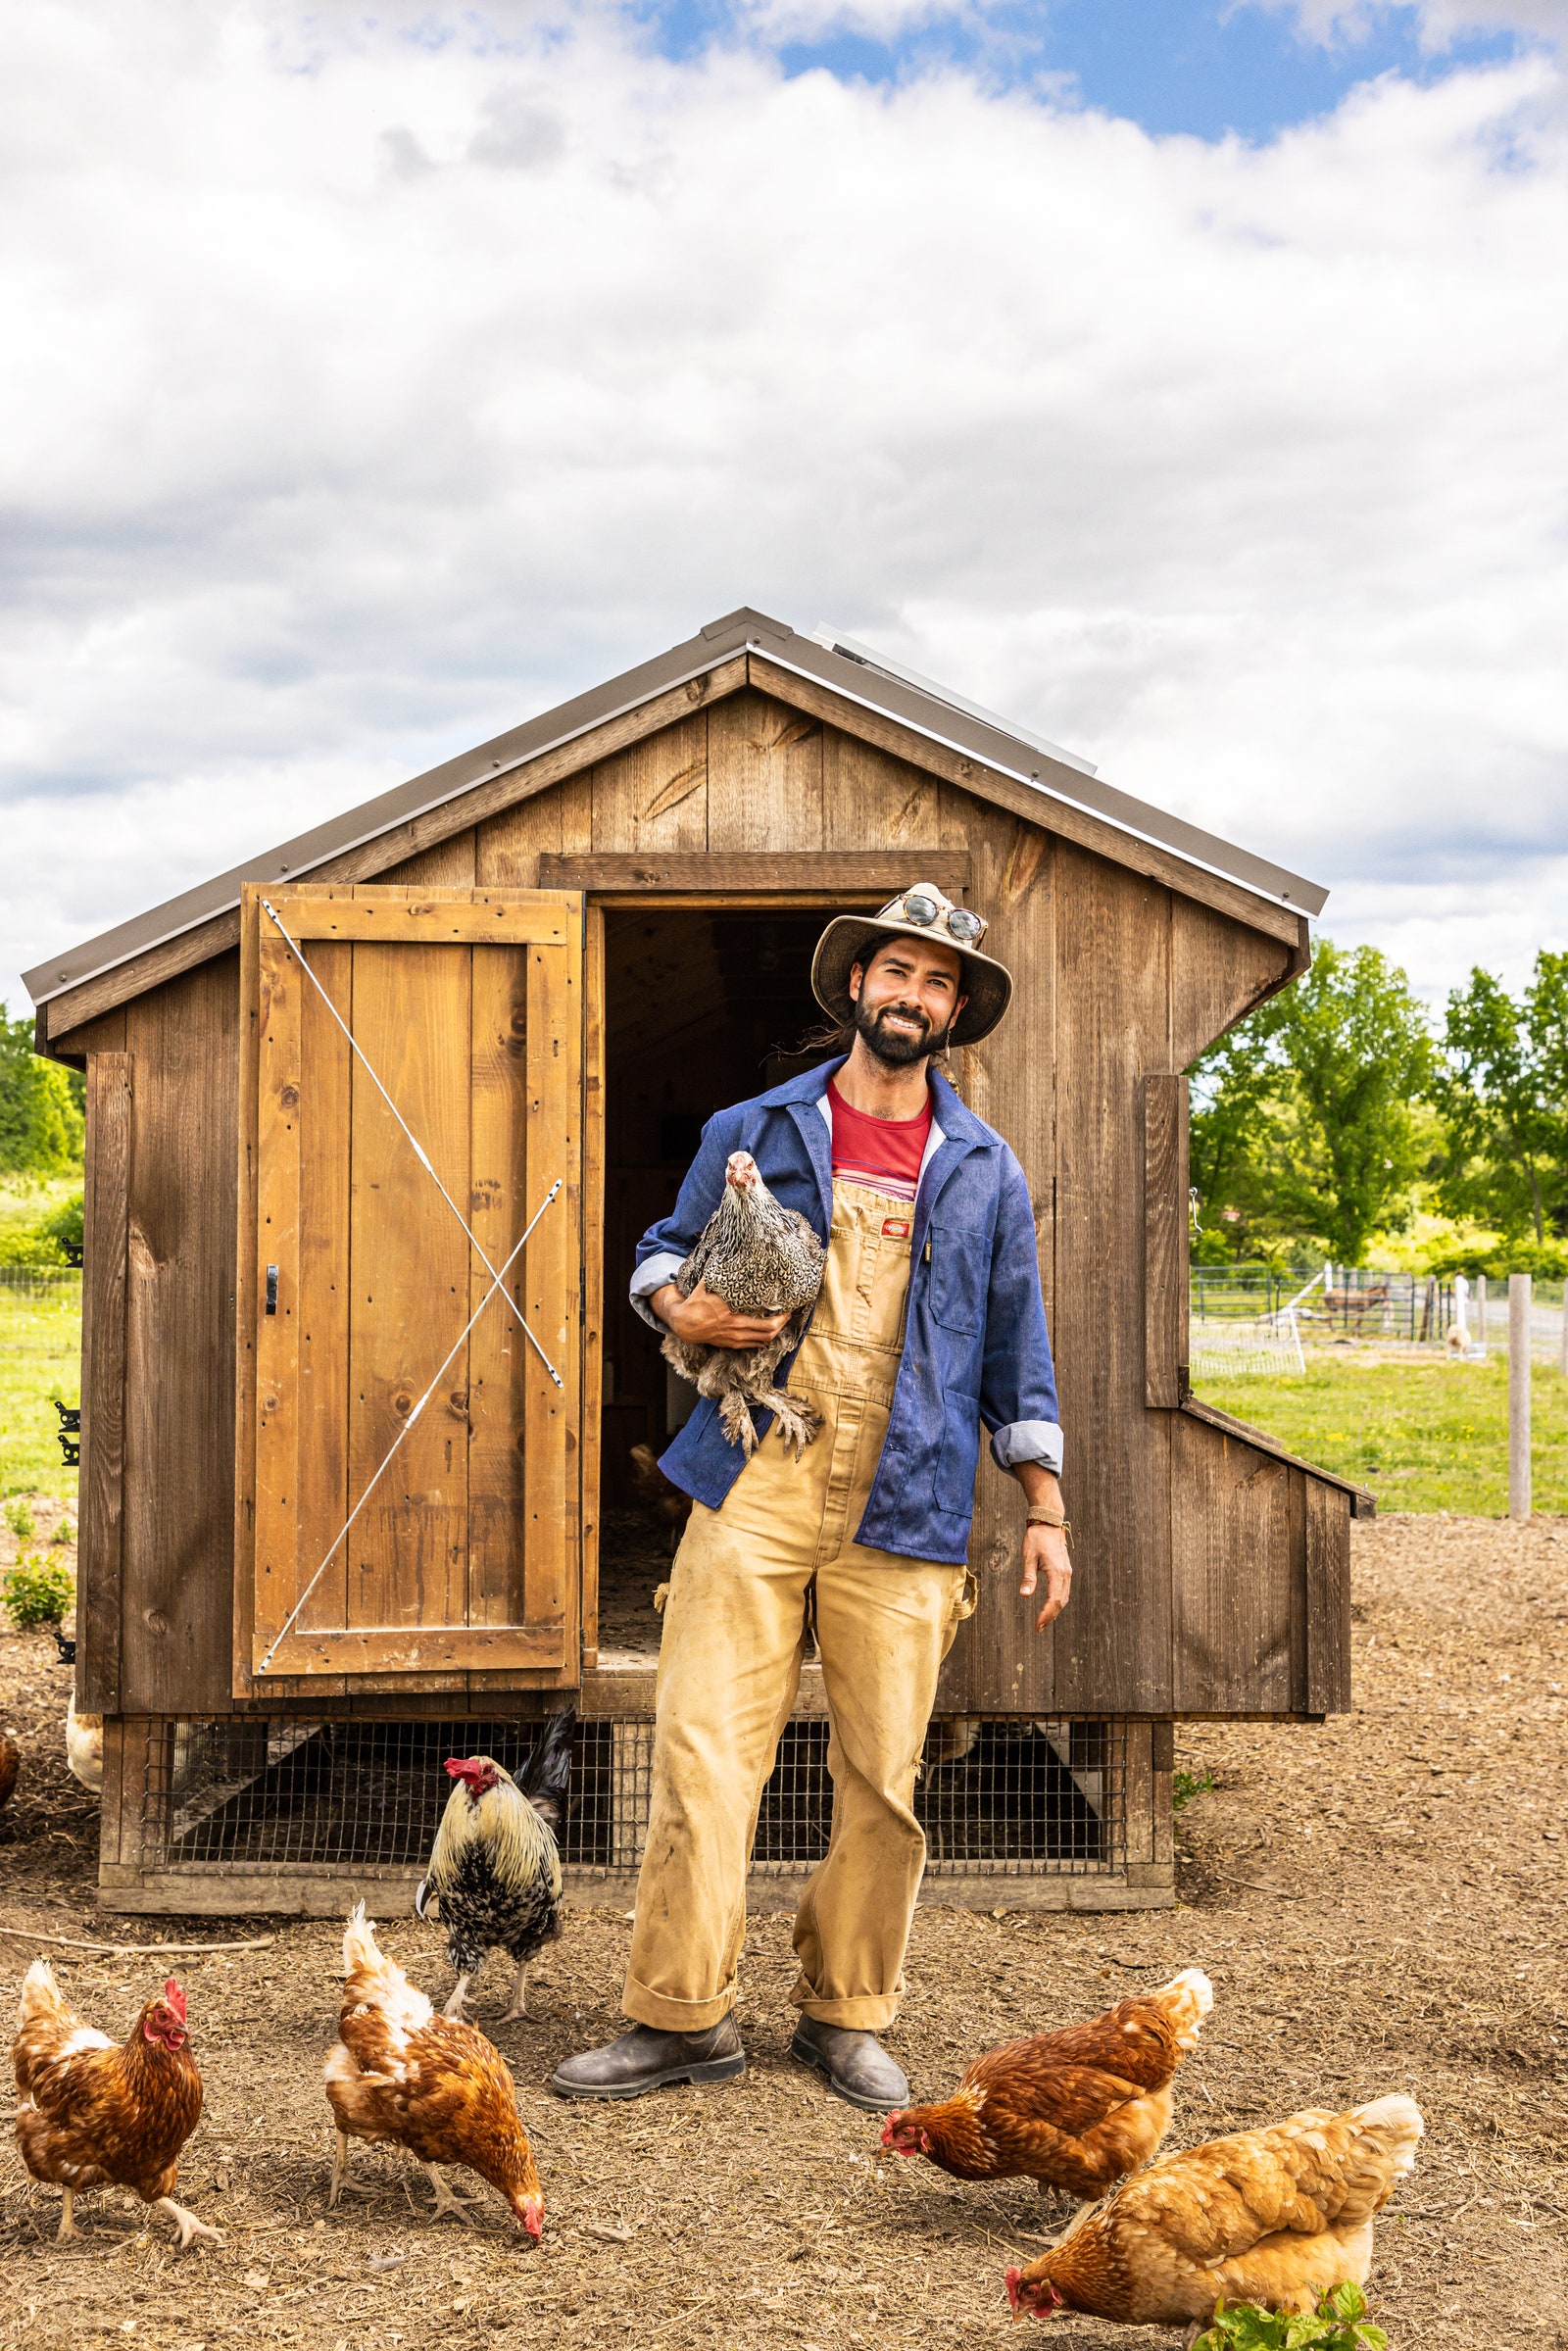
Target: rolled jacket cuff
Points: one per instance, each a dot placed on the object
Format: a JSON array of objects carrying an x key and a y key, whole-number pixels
[
  {"x": 650, "y": 1275},
  {"x": 1027, "y": 1440}
]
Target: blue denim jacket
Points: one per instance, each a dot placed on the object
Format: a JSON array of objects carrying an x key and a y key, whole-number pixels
[{"x": 975, "y": 1347}]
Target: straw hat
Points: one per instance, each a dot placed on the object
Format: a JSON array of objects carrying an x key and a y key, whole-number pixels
[{"x": 850, "y": 938}]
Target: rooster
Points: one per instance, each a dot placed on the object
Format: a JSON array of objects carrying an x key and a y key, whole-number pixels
[
  {"x": 427, "y": 2082},
  {"x": 1076, "y": 2109},
  {"x": 1272, "y": 2217},
  {"x": 759, "y": 1258},
  {"x": 89, "y": 2113},
  {"x": 495, "y": 1868}
]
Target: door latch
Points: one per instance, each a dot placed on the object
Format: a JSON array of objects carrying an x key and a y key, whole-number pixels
[{"x": 272, "y": 1289}]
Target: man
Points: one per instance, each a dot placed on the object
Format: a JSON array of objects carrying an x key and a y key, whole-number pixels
[{"x": 929, "y": 1322}]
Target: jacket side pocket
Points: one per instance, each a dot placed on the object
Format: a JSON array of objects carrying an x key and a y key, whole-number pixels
[{"x": 960, "y": 1455}]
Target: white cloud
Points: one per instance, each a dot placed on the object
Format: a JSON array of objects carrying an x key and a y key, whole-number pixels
[
  {"x": 1439, "y": 23},
  {"x": 381, "y": 383}
]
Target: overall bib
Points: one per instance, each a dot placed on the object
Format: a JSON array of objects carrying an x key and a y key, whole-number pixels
[{"x": 745, "y": 1584}]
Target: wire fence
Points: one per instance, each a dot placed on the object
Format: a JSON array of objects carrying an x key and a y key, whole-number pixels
[
  {"x": 1261, "y": 1318},
  {"x": 1005, "y": 1797}
]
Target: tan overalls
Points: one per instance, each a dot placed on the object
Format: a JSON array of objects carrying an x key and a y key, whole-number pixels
[{"x": 730, "y": 1665}]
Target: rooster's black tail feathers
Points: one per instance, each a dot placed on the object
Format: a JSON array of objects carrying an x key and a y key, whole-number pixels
[{"x": 547, "y": 1774}]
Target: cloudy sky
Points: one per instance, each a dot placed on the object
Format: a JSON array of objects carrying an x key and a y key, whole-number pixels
[{"x": 1182, "y": 378}]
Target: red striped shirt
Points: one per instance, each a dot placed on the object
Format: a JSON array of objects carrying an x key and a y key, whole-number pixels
[{"x": 883, "y": 1153}]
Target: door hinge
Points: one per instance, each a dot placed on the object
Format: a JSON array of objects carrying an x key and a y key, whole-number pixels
[{"x": 272, "y": 1289}]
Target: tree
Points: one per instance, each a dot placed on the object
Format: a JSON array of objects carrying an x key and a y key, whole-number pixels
[
  {"x": 1305, "y": 1120},
  {"x": 41, "y": 1123},
  {"x": 1504, "y": 1091}
]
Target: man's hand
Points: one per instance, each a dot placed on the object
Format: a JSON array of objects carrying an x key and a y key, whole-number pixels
[
  {"x": 707, "y": 1321},
  {"x": 1045, "y": 1548},
  {"x": 1045, "y": 1558}
]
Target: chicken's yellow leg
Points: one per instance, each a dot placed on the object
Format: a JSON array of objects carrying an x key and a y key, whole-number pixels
[
  {"x": 68, "y": 2206},
  {"x": 444, "y": 2200}
]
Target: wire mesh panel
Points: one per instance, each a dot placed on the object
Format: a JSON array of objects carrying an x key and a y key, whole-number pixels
[{"x": 1004, "y": 1795}]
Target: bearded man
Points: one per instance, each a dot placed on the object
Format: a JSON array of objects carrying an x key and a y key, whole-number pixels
[{"x": 929, "y": 1323}]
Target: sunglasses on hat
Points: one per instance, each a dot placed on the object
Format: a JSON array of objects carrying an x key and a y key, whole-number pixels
[{"x": 962, "y": 925}]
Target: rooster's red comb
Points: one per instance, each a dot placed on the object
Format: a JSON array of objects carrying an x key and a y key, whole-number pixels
[
  {"x": 460, "y": 1766},
  {"x": 175, "y": 1997}
]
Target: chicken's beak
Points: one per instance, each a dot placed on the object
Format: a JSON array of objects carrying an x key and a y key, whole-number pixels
[{"x": 532, "y": 2213}]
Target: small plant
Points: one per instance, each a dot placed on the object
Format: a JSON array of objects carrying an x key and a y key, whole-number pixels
[
  {"x": 37, "y": 1591},
  {"x": 63, "y": 1532},
  {"x": 1187, "y": 1784},
  {"x": 18, "y": 1518},
  {"x": 1340, "y": 2324}
]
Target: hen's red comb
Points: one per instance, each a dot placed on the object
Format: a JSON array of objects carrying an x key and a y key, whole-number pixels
[{"x": 175, "y": 1997}]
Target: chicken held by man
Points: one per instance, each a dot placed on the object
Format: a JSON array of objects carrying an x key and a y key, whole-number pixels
[
  {"x": 1273, "y": 2217},
  {"x": 495, "y": 1868},
  {"x": 1077, "y": 2108},
  {"x": 758, "y": 1259},
  {"x": 402, "y": 2073},
  {"x": 91, "y": 2114}
]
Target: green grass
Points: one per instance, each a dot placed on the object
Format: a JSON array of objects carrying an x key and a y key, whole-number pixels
[
  {"x": 40, "y": 1358},
  {"x": 1422, "y": 1435}
]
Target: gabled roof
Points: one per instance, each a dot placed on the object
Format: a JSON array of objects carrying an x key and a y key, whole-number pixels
[{"x": 848, "y": 672}]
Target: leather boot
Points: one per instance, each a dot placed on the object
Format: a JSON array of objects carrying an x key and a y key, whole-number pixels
[
  {"x": 857, "y": 2066},
  {"x": 644, "y": 2059}
]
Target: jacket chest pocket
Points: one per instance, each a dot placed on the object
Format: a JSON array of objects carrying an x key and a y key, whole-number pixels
[{"x": 958, "y": 1286}]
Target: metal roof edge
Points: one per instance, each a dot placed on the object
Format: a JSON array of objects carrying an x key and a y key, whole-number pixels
[
  {"x": 1021, "y": 760},
  {"x": 430, "y": 790},
  {"x": 976, "y": 739}
]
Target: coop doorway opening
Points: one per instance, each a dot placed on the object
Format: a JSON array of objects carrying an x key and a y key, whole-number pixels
[{"x": 704, "y": 1007}]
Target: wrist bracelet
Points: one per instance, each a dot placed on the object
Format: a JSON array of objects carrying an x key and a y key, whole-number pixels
[{"x": 1047, "y": 1514}]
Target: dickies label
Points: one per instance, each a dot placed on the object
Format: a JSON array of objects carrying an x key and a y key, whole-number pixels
[{"x": 894, "y": 1228}]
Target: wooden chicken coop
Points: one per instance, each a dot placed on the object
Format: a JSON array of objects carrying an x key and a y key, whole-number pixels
[{"x": 372, "y": 1125}]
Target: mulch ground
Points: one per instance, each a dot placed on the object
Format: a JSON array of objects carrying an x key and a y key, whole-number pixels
[{"x": 1379, "y": 1901}]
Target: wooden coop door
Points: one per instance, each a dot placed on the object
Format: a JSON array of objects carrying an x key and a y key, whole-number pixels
[{"x": 416, "y": 1103}]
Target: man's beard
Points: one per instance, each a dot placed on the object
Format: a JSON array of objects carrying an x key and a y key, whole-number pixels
[{"x": 893, "y": 1047}]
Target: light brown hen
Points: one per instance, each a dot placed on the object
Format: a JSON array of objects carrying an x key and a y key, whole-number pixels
[
  {"x": 1076, "y": 2109},
  {"x": 425, "y": 2081},
  {"x": 1270, "y": 2217}
]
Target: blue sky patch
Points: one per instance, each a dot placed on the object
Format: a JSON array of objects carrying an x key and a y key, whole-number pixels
[{"x": 1170, "y": 66}]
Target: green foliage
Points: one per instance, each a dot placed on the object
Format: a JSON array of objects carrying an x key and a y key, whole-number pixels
[
  {"x": 18, "y": 1518},
  {"x": 1504, "y": 1091},
  {"x": 1340, "y": 2324},
  {"x": 52, "y": 1238},
  {"x": 1305, "y": 1119},
  {"x": 1187, "y": 1784},
  {"x": 37, "y": 1591},
  {"x": 62, "y": 1532},
  {"x": 42, "y": 1124}
]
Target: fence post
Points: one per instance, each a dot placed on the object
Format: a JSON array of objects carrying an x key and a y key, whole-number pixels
[
  {"x": 1481, "y": 1312},
  {"x": 1562, "y": 1348},
  {"x": 1518, "y": 1396}
]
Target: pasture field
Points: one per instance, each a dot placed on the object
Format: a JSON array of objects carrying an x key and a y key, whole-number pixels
[{"x": 1422, "y": 1434}]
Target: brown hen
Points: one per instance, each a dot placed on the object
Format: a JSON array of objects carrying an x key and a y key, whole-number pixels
[
  {"x": 1076, "y": 2109},
  {"x": 425, "y": 2081},
  {"x": 1273, "y": 2217},
  {"x": 89, "y": 2114}
]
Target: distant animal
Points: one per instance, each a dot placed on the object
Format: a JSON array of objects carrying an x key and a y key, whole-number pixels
[
  {"x": 89, "y": 2113},
  {"x": 66, "y": 1643},
  {"x": 1076, "y": 2109},
  {"x": 10, "y": 1766},
  {"x": 1274, "y": 2217},
  {"x": 495, "y": 1868},
  {"x": 759, "y": 1258},
  {"x": 84, "y": 1747},
  {"x": 669, "y": 1504},
  {"x": 427, "y": 2082}
]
